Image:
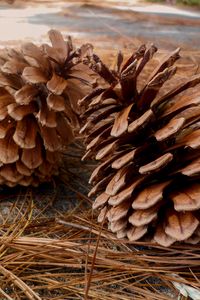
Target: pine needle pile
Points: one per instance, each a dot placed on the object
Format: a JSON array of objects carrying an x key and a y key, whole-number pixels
[
  {"x": 39, "y": 90},
  {"x": 51, "y": 254},
  {"x": 146, "y": 136}
]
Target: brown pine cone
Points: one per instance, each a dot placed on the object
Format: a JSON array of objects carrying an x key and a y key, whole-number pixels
[
  {"x": 39, "y": 90},
  {"x": 148, "y": 142}
]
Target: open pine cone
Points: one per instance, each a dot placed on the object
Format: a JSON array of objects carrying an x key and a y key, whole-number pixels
[
  {"x": 148, "y": 143},
  {"x": 39, "y": 90}
]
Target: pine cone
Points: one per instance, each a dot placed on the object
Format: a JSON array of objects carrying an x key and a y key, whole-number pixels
[
  {"x": 148, "y": 143},
  {"x": 39, "y": 90}
]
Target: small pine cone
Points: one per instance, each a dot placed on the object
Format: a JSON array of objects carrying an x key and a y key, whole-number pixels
[
  {"x": 39, "y": 91},
  {"x": 148, "y": 142}
]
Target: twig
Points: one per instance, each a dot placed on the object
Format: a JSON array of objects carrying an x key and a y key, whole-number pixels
[{"x": 79, "y": 226}]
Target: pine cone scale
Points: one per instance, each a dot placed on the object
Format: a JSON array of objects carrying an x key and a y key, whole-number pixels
[
  {"x": 181, "y": 225},
  {"x": 57, "y": 84},
  {"x": 187, "y": 199},
  {"x": 56, "y": 103},
  {"x": 34, "y": 75},
  {"x": 26, "y": 94},
  {"x": 9, "y": 150}
]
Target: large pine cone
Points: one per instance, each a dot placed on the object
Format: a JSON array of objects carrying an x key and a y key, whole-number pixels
[
  {"x": 148, "y": 142},
  {"x": 39, "y": 90}
]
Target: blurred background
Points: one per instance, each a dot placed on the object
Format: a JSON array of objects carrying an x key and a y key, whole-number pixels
[{"x": 108, "y": 24}]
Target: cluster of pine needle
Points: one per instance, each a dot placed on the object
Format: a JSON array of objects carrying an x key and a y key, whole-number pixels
[{"x": 50, "y": 254}]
